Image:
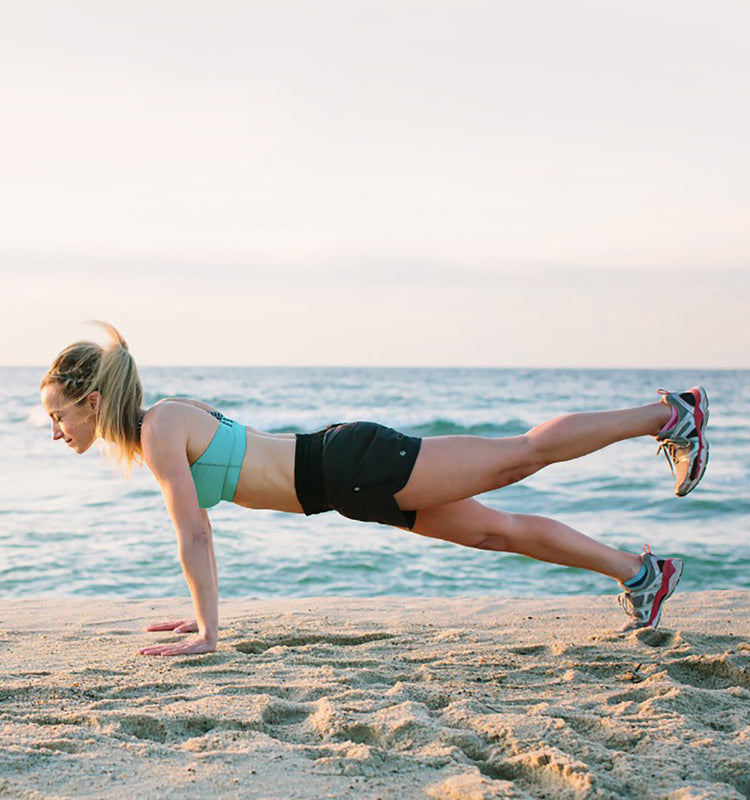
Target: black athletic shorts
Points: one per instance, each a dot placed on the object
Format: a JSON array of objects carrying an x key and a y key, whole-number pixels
[{"x": 355, "y": 468}]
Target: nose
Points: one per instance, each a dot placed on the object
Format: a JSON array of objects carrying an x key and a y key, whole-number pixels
[{"x": 56, "y": 432}]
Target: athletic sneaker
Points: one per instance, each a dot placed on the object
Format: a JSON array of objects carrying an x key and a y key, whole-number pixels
[
  {"x": 683, "y": 439},
  {"x": 643, "y": 603}
]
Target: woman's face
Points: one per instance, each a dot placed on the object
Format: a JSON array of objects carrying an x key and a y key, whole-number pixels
[{"x": 74, "y": 423}]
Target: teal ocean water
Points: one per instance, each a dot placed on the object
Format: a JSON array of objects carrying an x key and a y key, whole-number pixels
[{"x": 69, "y": 525}]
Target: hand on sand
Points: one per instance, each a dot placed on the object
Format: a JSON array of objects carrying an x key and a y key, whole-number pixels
[
  {"x": 178, "y": 626},
  {"x": 179, "y": 648}
]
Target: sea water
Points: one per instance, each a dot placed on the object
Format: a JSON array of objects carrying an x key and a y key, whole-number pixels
[{"x": 70, "y": 525}]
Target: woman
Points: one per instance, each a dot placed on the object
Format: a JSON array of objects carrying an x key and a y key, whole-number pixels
[{"x": 364, "y": 471}]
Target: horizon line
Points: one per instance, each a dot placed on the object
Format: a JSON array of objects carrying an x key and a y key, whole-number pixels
[{"x": 546, "y": 367}]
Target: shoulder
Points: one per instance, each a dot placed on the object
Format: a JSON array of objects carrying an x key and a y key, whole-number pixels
[
  {"x": 164, "y": 433},
  {"x": 164, "y": 418}
]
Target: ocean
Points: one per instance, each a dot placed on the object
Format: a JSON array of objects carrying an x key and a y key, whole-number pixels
[{"x": 72, "y": 526}]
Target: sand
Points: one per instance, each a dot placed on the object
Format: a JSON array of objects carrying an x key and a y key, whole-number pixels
[{"x": 378, "y": 698}]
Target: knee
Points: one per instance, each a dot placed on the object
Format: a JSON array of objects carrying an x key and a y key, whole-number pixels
[
  {"x": 530, "y": 459},
  {"x": 512, "y": 530},
  {"x": 501, "y": 535},
  {"x": 537, "y": 456}
]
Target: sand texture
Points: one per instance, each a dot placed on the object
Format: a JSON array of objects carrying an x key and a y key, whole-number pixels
[{"x": 449, "y": 699}]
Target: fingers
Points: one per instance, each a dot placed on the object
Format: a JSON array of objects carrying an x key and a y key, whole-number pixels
[
  {"x": 174, "y": 650},
  {"x": 178, "y": 649},
  {"x": 188, "y": 627},
  {"x": 152, "y": 651},
  {"x": 165, "y": 626},
  {"x": 159, "y": 651},
  {"x": 178, "y": 626}
]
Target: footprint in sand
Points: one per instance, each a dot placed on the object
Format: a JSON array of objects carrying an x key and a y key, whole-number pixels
[{"x": 709, "y": 672}]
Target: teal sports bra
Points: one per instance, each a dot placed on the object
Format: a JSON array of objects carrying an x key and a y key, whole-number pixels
[{"x": 217, "y": 472}]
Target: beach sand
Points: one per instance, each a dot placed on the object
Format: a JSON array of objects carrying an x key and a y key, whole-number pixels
[{"x": 378, "y": 698}]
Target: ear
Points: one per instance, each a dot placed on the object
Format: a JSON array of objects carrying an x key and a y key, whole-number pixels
[{"x": 94, "y": 400}]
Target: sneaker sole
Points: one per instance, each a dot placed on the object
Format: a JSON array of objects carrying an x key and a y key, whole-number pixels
[{"x": 700, "y": 415}]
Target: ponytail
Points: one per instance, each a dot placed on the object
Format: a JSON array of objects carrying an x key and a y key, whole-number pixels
[{"x": 86, "y": 367}]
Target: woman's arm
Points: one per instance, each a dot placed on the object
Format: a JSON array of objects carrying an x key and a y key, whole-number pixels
[
  {"x": 188, "y": 625},
  {"x": 165, "y": 453},
  {"x": 210, "y": 532}
]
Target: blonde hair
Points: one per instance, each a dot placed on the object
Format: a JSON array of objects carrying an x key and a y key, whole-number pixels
[{"x": 86, "y": 367}]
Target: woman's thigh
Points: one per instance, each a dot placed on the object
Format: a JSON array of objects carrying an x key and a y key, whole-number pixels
[{"x": 452, "y": 468}]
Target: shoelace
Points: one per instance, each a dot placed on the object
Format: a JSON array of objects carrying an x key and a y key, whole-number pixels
[
  {"x": 626, "y": 604},
  {"x": 624, "y": 599},
  {"x": 670, "y": 447}
]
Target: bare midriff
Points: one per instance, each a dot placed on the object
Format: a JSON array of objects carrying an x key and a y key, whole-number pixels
[{"x": 267, "y": 475}]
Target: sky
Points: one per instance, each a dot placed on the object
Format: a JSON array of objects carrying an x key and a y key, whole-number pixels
[{"x": 396, "y": 182}]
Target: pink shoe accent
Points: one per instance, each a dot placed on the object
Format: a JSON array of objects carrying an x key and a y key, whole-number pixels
[
  {"x": 669, "y": 570},
  {"x": 698, "y": 415}
]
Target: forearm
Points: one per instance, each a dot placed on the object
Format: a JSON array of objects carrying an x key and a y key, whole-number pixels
[
  {"x": 213, "y": 557},
  {"x": 198, "y": 564}
]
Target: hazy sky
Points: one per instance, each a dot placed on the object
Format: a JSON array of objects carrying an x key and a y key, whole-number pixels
[{"x": 378, "y": 182}]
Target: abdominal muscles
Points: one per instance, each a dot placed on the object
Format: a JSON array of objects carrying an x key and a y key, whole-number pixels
[{"x": 267, "y": 476}]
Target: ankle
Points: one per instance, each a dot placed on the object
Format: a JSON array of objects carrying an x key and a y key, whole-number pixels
[
  {"x": 638, "y": 579},
  {"x": 632, "y": 566},
  {"x": 665, "y": 417}
]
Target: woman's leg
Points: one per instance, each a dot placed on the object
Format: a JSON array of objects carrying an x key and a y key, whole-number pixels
[
  {"x": 451, "y": 468},
  {"x": 469, "y": 523}
]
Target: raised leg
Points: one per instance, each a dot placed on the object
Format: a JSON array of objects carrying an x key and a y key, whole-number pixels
[
  {"x": 472, "y": 524},
  {"x": 451, "y": 468}
]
